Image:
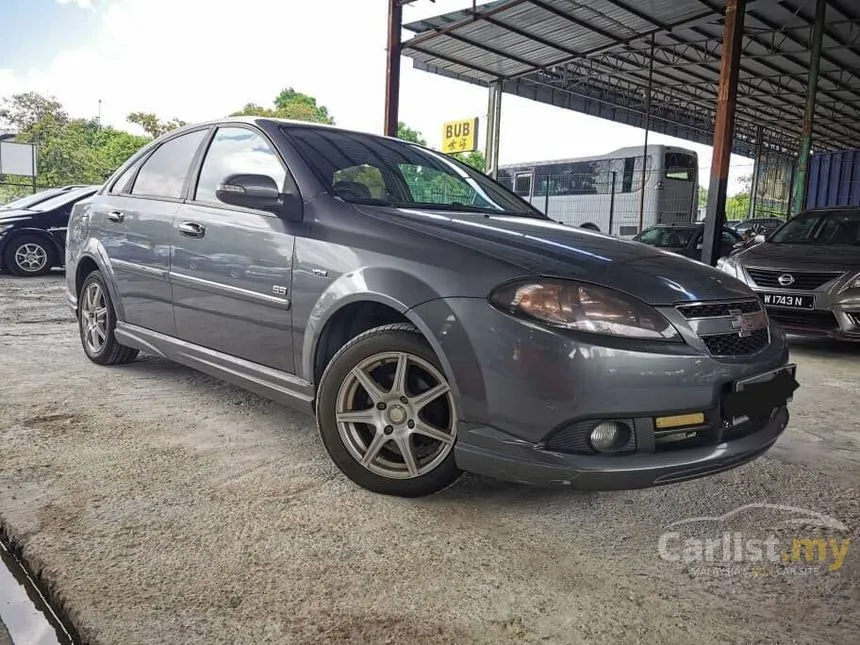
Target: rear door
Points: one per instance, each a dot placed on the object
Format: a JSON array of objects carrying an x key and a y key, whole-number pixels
[
  {"x": 231, "y": 266},
  {"x": 135, "y": 222}
]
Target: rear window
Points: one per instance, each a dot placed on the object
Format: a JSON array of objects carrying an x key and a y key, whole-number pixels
[{"x": 682, "y": 167}]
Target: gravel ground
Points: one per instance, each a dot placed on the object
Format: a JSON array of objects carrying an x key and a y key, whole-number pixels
[{"x": 161, "y": 506}]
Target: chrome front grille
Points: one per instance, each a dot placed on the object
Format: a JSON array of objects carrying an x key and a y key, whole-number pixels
[
  {"x": 717, "y": 309},
  {"x": 804, "y": 280},
  {"x": 728, "y": 327}
]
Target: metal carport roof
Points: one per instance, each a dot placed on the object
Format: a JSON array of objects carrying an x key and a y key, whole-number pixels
[{"x": 593, "y": 56}]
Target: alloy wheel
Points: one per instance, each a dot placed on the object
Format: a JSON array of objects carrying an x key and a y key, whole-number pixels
[
  {"x": 94, "y": 318},
  {"x": 31, "y": 257},
  {"x": 395, "y": 414}
]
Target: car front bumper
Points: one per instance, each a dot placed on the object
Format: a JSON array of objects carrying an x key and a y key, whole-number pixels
[
  {"x": 488, "y": 451},
  {"x": 518, "y": 384},
  {"x": 836, "y": 313}
]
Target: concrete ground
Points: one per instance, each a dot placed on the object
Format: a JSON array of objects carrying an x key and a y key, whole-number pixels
[{"x": 162, "y": 506}]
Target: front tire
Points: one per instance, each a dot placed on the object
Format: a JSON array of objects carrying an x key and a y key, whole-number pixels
[
  {"x": 29, "y": 256},
  {"x": 386, "y": 413},
  {"x": 97, "y": 322}
]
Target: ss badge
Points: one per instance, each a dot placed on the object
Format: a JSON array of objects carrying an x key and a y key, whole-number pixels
[{"x": 278, "y": 290}]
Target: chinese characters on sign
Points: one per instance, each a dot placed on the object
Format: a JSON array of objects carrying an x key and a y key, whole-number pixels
[{"x": 460, "y": 136}]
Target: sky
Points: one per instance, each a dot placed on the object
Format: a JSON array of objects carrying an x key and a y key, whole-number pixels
[{"x": 200, "y": 59}]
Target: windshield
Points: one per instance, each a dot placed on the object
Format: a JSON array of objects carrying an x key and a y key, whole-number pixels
[
  {"x": 665, "y": 237},
  {"x": 29, "y": 200},
  {"x": 63, "y": 199},
  {"x": 833, "y": 228},
  {"x": 364, "y": 169}
]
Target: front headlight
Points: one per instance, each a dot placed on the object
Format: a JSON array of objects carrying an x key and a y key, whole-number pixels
[
  {"x": 853, "y": 284},
  {"x": 728, "y": 265},
  {"x": 583, "y": 307}
]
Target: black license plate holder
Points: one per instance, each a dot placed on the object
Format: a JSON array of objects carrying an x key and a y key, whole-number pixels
[{"x": 759, "y": 395}]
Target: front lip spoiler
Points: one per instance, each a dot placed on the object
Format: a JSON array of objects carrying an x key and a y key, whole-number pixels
[{"x": 493, "y": 454}]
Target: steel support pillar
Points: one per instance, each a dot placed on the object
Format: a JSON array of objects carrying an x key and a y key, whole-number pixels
[
  {"x": 759, "y": 150},
  {"x": 715, "y": 216},
  {"x": 494, "y": 118},
  {"x": 392, "y": 67},
  {"x": 647, "y": 130},
  {"x": 799, "y": 188}
]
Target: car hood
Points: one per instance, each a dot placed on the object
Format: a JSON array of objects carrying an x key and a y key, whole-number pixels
[
  {"x": 14, "y": 215},
  {"x": 799, "y": 257},
  {"x": 543, "y": 247}
]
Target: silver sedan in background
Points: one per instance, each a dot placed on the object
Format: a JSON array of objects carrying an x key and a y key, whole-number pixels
[{"x": 807, "y": 273}]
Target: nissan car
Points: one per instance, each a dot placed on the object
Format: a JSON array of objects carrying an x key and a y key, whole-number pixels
[
  {"x": 433, "y": 321},
  {"x": 807, "y": 273}
]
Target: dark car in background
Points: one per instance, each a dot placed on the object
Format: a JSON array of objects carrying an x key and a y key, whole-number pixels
[
  {"x": 33, "y": 239},
  {"x": 28, "y": 201},
  {"x": 432, "y": 320},
  {"x": 763, "y": 225},
  {"x": 685, "y": 239},
  {"x": 807, "y": 273}
]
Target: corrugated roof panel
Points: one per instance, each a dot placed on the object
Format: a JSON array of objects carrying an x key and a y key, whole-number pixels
[{"x": 601, "y": 47}]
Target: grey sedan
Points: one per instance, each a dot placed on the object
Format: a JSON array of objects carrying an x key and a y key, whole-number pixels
[
  {"x": 807, "y": 273},
  {"x": 433, "y": 321}
]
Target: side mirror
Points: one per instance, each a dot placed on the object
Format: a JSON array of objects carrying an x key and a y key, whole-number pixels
[{"x": 259, "y": 192}]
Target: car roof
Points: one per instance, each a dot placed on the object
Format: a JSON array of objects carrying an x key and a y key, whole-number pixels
[{"x": 261, "y": 120}]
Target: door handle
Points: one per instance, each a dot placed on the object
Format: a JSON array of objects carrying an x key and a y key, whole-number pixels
[
  {"x": 116, "y": 216},
  {"x": 192, "y": 229}
]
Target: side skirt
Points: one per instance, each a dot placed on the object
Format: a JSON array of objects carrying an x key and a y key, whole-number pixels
[{"x": 265, "y": 381}]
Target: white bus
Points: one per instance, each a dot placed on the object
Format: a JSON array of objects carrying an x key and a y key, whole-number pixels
[{"x": 604, "y": 192}]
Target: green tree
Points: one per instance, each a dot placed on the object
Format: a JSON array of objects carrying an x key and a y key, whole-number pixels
[
  {"x": 152, "y": 125},
  {"x": 290, "y": 104},
  {"x": 25, "y": 110},
  {"x": 408, "y": 134},
  {"x": 69, "y": 151},
  {"x": 474, "y": 159},
  {"x": 738, "y": 205}
]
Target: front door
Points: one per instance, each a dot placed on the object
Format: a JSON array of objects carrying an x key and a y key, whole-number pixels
[{"x": 230, "y": 266}]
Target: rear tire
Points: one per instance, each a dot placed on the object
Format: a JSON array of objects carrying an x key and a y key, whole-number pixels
[
  {"x": 29, "y": 256},
  {"x": 386, "y": 413},
  {"x": 97, "y": 322}
]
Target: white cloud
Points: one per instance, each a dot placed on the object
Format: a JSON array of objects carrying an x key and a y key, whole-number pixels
[
  {"x": 83, "y": 4},
  {"x": 198, "y": 59}
]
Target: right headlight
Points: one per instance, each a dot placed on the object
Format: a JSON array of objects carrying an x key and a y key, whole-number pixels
[
  {"x": 583, "y": 307},
  {"x": 728, "y": 265}
]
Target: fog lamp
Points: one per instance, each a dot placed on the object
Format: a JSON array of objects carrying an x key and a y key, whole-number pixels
[{"x": 609, "y": 436}]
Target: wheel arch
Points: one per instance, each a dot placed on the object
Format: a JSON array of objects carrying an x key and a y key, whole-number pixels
[
  {"x": 91, "y": 258},
  {"x": 331, "y": 323},
  {"x": 38, "y": 232}
]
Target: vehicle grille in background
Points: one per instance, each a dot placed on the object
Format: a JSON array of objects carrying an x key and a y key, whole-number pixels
[
  {"x": 715, "y": 309},
  {"x": 574, "y": 437},
  {"x": 802, "y": 279},
  {"x": 734, "y": 345},
  {"x": 800, "y": 318}
]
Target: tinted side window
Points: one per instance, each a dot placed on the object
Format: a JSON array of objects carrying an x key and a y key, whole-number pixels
[
  {"x": 121, "y": 184},
  {"x": 236, "y": 151},
  {"x": 164, "y": 172}
]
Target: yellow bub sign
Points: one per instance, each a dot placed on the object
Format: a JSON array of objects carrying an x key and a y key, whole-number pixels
[{"x": 460, "y": 136}]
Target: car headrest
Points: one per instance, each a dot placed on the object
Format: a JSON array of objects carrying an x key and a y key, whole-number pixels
[{"x": 351, "y": 190}]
